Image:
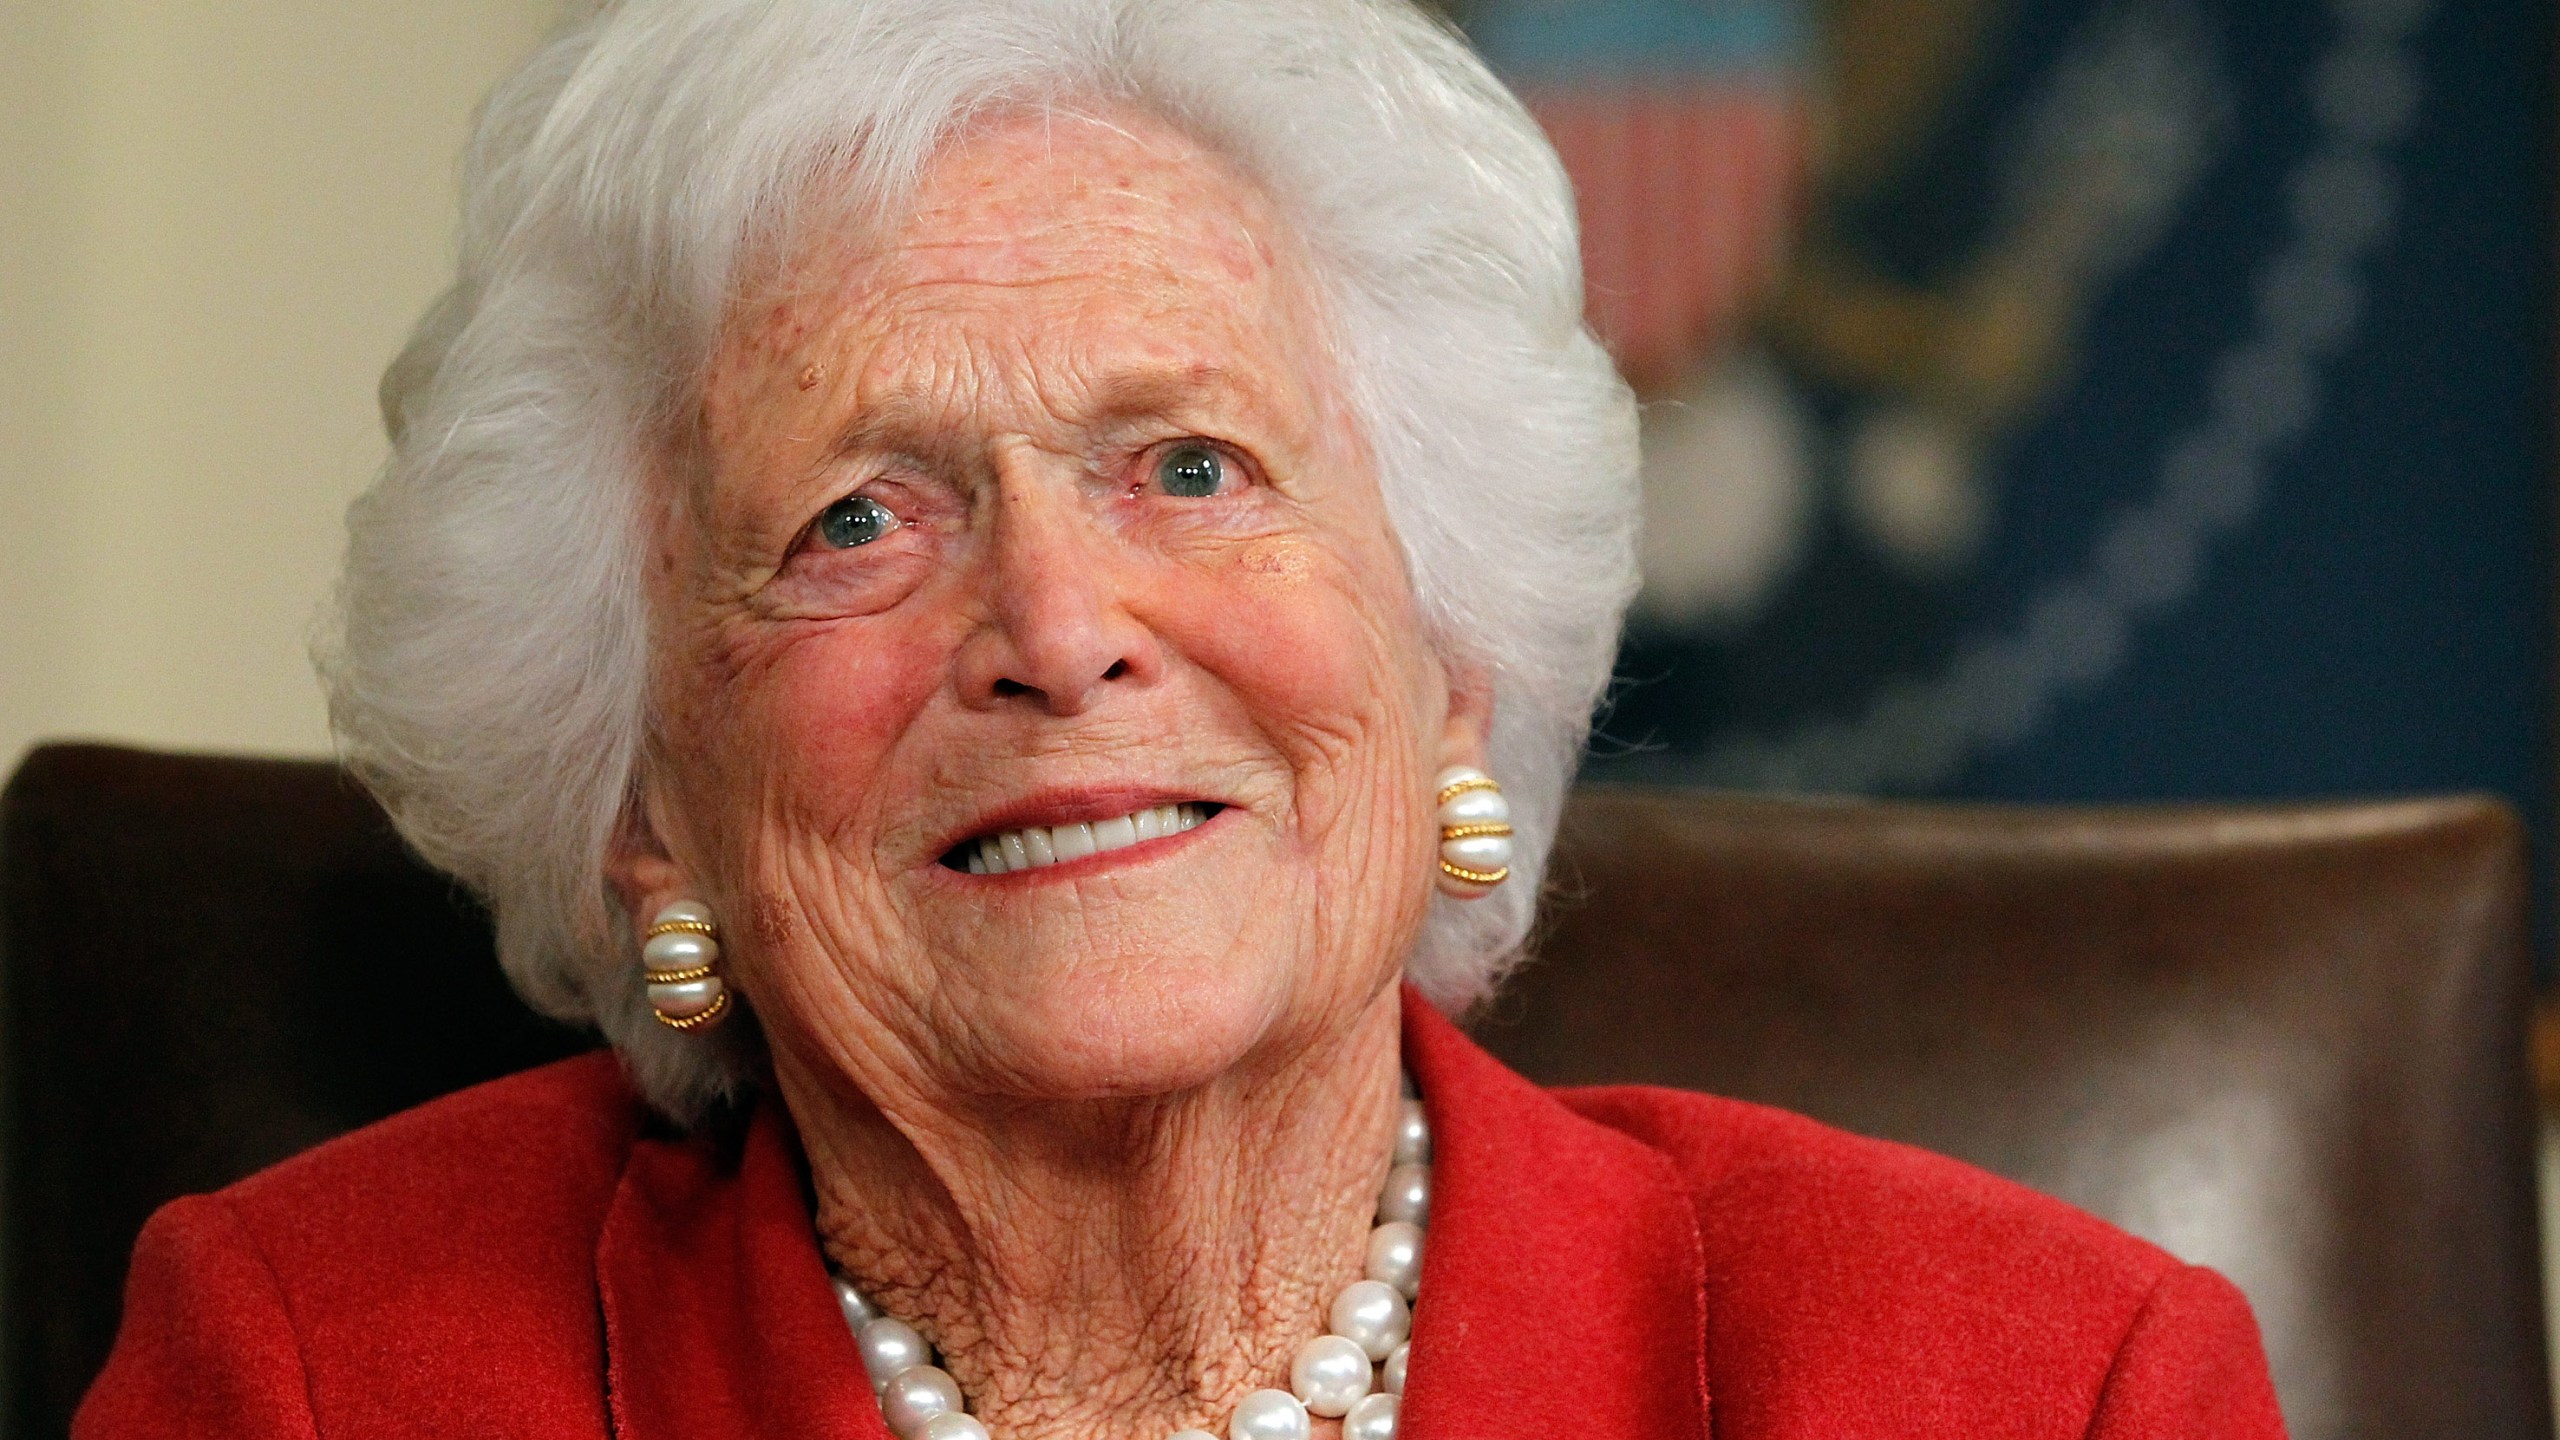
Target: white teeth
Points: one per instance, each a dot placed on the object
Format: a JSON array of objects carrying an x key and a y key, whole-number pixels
[{"x": 1043, "y": 845}]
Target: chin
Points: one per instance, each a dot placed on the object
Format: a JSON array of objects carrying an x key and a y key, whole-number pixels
[{"x": 1137, "y": 1028}]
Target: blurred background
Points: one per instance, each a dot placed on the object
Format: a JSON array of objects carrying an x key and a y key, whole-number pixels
[
  {"x": 2046, "y": 399},
  {"x": 2072, "y": 398},
  {"x": 219, "y": 218}
]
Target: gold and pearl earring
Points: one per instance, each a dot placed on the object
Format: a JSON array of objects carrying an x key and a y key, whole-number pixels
[
  {"x": 1475, "y": 833},
  {"x": 680, "y": 963}
]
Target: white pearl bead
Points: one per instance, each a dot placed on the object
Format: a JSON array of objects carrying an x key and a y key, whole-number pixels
[
  {"x": 1269, "y": 1415},
  {"x": 1395, "y": 1368},
  {"x": 685, "y": 1000},
  {"x": 1395, "y": 1256},
  {"x": 1406, "y": 1196},
  {"x": 693, "y": 910},
  {"x": 1191, "y": 1435},
  {"x": 1371, "y": 1419},
  {"x": 953, "y": 1425},
  {"x": 679, "y": 950},
  {"x": 857, "y": 1307},
  {"x": 1372, "y": 1316},
  {"x": 1477, "y": 852},
  {"x": 1475, "y": 807},
  {"x": 1329, "y": 1375},
  {"x": 889, "y": 1345},
  {"x": 1413, "y": 1134},
  {"x": 915, "y": 1395}
]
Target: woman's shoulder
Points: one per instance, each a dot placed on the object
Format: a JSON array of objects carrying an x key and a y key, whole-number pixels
[
  {"x": 1825, "y": 1253},
  {"x": 551, "y": 1139},
  {"x": 1743, "y": 1162},
  {"x": 398, "y": 1265},
  {"x": 500, "y": 1187}
]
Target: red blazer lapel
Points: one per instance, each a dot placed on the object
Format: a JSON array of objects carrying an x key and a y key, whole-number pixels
[
  {"x": 719, "y": 1321},
  {"x": 1563, "y": 1283}
]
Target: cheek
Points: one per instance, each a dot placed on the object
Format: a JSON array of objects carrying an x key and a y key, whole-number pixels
[
  {"x": 1325, "y": 660},
  {"x": 802, "y": 717}
]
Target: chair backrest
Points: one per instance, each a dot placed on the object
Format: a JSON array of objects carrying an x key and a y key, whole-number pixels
[
  {"x": 2285, "y": 1041},
  {"x": 205, "y": 965}
]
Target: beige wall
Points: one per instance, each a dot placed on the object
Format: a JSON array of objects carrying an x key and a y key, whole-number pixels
[{"x": 217, "y": 220}]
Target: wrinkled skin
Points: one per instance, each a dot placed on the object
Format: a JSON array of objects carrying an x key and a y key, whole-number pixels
[{"x": 1109, "y": 1133}]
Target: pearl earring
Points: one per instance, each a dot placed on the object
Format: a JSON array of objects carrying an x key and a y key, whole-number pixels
[
  {"x": 680, "y": 961},
  {"x": 1475, "y": 833}
]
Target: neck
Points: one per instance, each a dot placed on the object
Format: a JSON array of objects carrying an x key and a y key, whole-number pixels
[{"x": 1119, "y": 1268}]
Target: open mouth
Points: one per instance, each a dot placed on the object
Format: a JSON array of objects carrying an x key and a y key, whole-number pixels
[{"x": 1036, "y": 847}]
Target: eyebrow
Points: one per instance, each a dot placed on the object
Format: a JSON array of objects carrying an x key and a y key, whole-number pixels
[
  {"x": 1164, "y": 390},
  {"x": 906, "y": 422}
]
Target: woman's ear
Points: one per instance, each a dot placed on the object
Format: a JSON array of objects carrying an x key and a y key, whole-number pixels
[
  {"x": 1466, "y": 736},
  {"x": 644, "y": 877}
]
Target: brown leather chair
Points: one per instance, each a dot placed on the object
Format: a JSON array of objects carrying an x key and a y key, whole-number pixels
[
  {"x": 205, "y": 965},
  {"x": 2286, "y": 1041}
]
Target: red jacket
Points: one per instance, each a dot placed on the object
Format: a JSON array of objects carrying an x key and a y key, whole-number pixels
[{"x": 535, "y": 1258}]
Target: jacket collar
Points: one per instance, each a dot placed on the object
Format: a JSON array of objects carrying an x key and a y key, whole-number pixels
[
  {"x": 1563, "y": 1286},
  {"x": 719, "y": 1321}
]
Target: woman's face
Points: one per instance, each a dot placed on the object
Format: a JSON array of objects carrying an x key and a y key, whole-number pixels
[{"x": 1045, "y": 514}]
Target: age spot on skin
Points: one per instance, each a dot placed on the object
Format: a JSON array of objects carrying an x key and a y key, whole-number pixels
[
  {"x": 811, "y": 374},
  {"x": 769, "y": 920},
  {"x": 1280, "y": 561}
]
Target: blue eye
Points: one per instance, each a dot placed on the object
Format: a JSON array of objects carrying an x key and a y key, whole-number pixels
[
  {"x": 1192, "y": 471},
  {"x": 855, "y": 520}
]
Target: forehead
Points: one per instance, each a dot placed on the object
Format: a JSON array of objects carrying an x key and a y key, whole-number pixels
[
  {"x": 1070, "y": 194},
  {"x": 1084, "y": 242}
]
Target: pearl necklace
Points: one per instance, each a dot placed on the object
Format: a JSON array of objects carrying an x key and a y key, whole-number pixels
[{"x": 1355, "y": 1372}]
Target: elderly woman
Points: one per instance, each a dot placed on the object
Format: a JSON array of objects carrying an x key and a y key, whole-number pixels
[{"x": 1004, "y": 593}]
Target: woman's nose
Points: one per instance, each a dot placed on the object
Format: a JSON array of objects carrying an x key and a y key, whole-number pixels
[{"x": 1058, "y": 629}]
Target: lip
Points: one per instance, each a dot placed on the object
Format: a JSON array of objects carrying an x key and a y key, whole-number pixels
[{"x": 1078, "y": 807}]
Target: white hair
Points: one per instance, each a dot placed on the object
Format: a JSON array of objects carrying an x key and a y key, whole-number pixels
[{"x": 488, "y": 676}]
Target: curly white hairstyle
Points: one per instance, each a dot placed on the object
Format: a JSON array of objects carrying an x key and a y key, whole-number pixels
[{"x": 488, "y": 672}]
